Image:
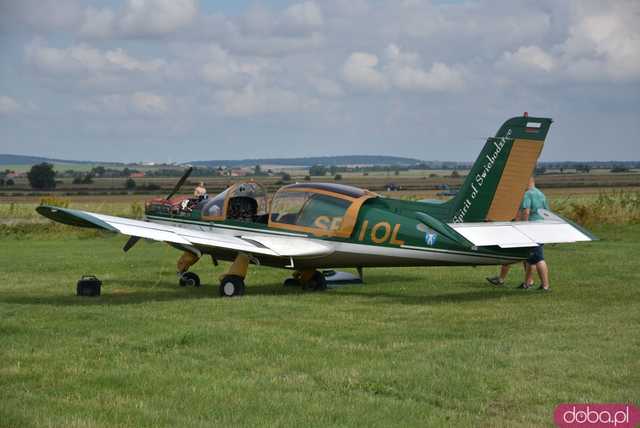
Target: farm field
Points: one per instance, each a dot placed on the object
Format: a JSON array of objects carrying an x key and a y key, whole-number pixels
[
  {"x": 408, "y": 181},
  {"x": 411, "y": 347}
]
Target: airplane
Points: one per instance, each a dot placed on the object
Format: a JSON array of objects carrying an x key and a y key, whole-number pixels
[{"x": 307, "y": 227}]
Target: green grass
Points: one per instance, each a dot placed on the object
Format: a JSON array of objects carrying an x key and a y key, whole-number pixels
[{"x": 412, "y": 347}]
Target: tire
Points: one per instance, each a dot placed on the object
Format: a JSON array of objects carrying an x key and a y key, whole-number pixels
[
  {"x": 189, "y": 278},
  {"x": 291, "y": 282},
  {"x": 317, "y": 282},
  {"x": 231, "y": 286}
]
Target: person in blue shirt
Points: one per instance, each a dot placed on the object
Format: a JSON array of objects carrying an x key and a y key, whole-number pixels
[{"x": 532, "y": 202}]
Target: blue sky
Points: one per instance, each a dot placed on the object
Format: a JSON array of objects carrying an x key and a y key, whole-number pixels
[{"x": 181, "y": 80}]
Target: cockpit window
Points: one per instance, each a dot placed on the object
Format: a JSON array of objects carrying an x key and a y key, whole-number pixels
[
  {"x": 214, "y": 207},
  {"x": 243, "y": 202},
  {"x": 313, "y": 210}
]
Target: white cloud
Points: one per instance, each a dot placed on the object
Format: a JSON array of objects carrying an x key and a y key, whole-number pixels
[
  {"x": 84, "y": 58},
  {"x": 224, "y": 69},
  {"x": 528, "y": 58},
  {"x": 156, "y": 17},
  {"x": 603, "y": 41},
  {"x": 405, "y": 73},
  {"x": 360, "y": 71},
  {"x": 304, "y": 15},
  {"x": 122, "y": 105},
  {"x": 255, "y": 100},
  {"x": 98, "y": 22},
  {"x": 401, "y": 70},
  {"x": 9, "y": 105},
  {"x": 324, "y": 86},
  {"x": 145, "y": 102}
]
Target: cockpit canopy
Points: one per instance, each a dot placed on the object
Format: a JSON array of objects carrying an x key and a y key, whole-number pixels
[
  {"x": 323, "y": 209},
  {"x": 242, "y": 201}
]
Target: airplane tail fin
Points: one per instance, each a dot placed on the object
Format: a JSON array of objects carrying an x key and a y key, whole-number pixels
[{"x": 497, "y": 181}]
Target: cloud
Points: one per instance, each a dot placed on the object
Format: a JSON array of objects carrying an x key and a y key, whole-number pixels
[
  {"x": 224, "y": 69},
  {"x": 401, "y": 70},
  {"x": 528, "y": 58},
  {"x": 603, "y": 40},
  {"x": 156, "y": 17},
  {"x": 98, "y": 23},
  {"x": 325, "y": 87},
  {"x": 304, "y": 15},
  {"x": 84, "y": 58},
  {"x": 360, "y": 71},
  {"x": 9, "y": 105},
  {"x": 123, "y": 105},
  {"x": 405, "y": 73},
  {"x": 149, "y": 103},
  {"x": 255, "y": 100}
]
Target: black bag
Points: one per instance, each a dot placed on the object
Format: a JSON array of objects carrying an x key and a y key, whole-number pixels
[{"x": 88, "y": 285}]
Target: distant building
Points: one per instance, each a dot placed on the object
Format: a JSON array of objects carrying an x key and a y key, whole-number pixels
[{"x": 136, "y": 175}]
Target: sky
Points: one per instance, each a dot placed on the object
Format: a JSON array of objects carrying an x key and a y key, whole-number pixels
[{"x": 181, "y": 80}]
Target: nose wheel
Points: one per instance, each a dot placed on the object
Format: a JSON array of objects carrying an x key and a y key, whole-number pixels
[{"x": 189, "y": 279}]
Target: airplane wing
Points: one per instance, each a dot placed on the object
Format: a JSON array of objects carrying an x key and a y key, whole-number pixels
[
  {"x": 554, "y": 229},
  {"x": 279, "y": 246}
]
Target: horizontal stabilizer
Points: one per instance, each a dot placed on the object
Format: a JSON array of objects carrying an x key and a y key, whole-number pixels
[{"x": 518, "y": 234}]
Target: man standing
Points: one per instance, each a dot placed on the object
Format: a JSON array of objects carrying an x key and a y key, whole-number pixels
[{"x": 534, "y": 200}]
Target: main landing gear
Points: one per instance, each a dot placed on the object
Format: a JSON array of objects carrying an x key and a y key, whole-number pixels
[
  {"x": 310, "y": 280},
  {"x": 187, "y": 278},
  {"x": 232, "y": 281}
]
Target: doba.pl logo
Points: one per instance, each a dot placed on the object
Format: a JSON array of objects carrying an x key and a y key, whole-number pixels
[{"x": 596, "y": 415}]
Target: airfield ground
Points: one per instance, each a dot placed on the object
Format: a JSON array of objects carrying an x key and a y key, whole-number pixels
[{"x": 412, "y": 347}]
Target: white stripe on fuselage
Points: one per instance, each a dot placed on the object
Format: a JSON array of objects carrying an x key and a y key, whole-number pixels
[{"x": 344, "y": 249}]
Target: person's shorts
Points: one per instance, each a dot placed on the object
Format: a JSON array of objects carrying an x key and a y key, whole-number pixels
[{"x": 537, "y": 255}]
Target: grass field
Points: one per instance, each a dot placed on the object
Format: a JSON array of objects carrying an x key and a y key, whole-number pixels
[{"x": 412, "y": 347}]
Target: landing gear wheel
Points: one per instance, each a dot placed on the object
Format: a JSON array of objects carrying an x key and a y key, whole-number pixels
[
  {"x": 317, "y": 282},
  {"x": 291, "y": 282},
  {"x": 189, "y": 278},
  {"x": 231, "y": 285}
]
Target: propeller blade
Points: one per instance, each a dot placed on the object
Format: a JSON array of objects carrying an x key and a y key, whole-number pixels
[{"x": 180, "y": 182}]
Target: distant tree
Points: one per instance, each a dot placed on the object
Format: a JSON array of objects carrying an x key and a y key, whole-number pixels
[
  {"x": 318, "y": 170},
  {"x": 365, "y": 173},
  {"x": 257, "y": 170},
  {"x": 338, "y": 177},
  {"x": 130, "y": 184},
  {"x": 307, "y": 178},
  {"x": 619, "y": 168},
  {"x": 540, "y": 170},
  {"x": 455, "y": 174},
  {"x": 9, "y": 182},
  {"x": 396, "y": 172},
  {"x": 42, "y": 176},
  {"x": 77, "y": 180},
  {"x": 286, "y": 176},
  {"x": 433, "y": 175},
  {"x": 152, "y": 186},
  {"x": 1, "y": 182},
  {"x": 98, "y": 171},
  {"x": 88, "y": 179},
  {"x": 583, "y": 168},
  {"x": 333, "y": 170}
]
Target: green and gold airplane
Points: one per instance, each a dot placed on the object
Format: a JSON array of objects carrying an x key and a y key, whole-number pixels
[{"x": 307, "y": 227}]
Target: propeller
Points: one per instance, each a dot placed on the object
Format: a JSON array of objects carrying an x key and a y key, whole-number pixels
[{"x": 180, "y": 182}]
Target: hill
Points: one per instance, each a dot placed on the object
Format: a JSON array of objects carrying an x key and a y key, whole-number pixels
[{"x": 310, "y": 161}]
